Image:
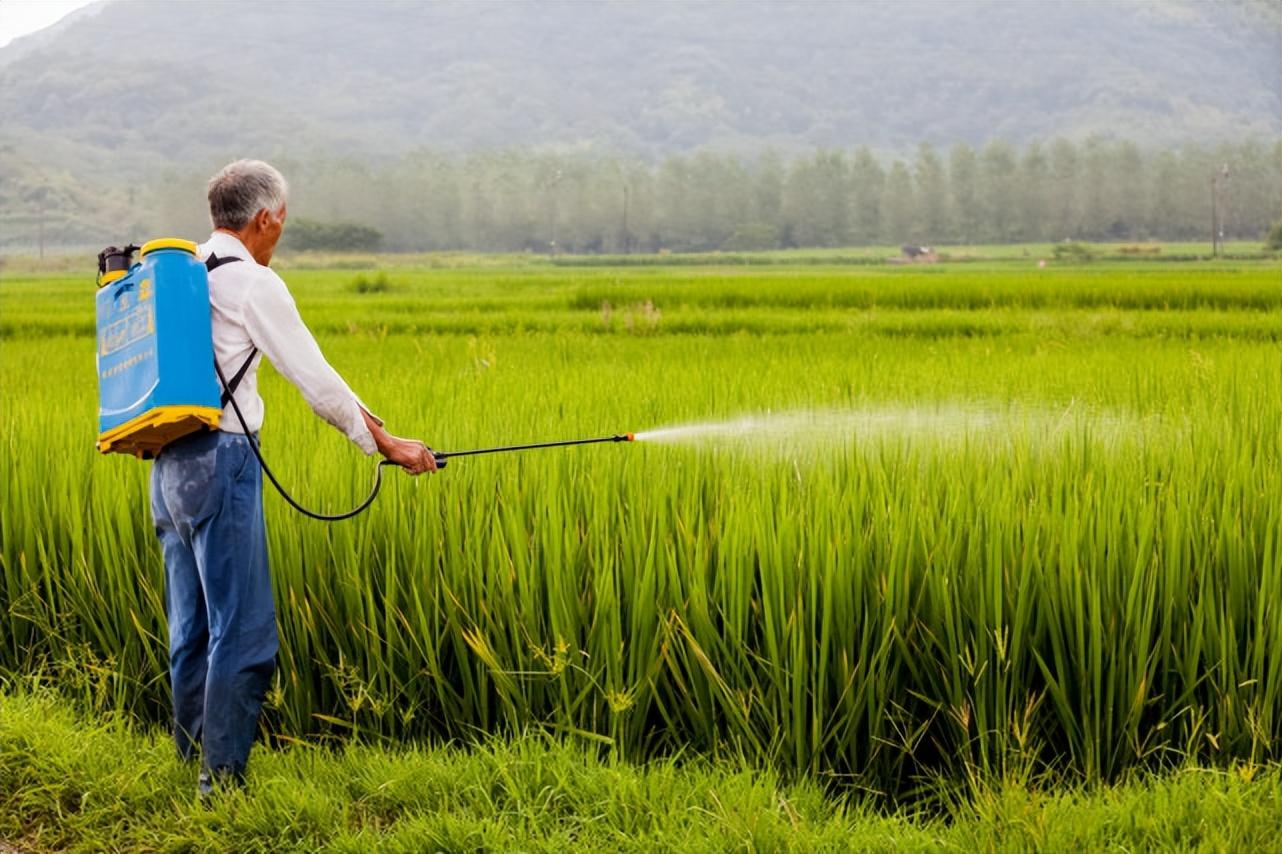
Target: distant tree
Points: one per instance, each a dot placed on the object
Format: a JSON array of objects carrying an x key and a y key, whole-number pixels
[
  {"x": 302, "y": 235},
  {"x": 1162, "y": 216},
  {"x": 1273, "y": 238},
  {"x": 721, "y": 193},
  {"x": 1252, "y": 194},
  {"x": 1131, "y": 189},
  {"x": 963, "y": 192},
  {"x": 418, "y": 203},
  {"x": 751, "y": 236},
  {"x": 899, "y": 205},
  {"x": 639, "y": 178},
  {"x": 1065, "y": 209},
  {"x": 622, "y": 207},
  {"x": 797, "y": 212},
  {"x": 1034, "y": 193},
  {"x": 867, "y": 187},
  {"x": 478, "y": 207},
  {"x": 817, "y": 200},
  {"x": 999, "y": 200},
  {"x": 931, "y": 195},
  {"x": 343, "y": 190},
  {"x": 1189, "y": 215},
  {"x": 767, "y": 187},
  {"x": 529, "y": 197},
  {"x": 1096, "y": 190},
  {"x": 674, "y": 221},
  {"x": 832, "y": 176}
]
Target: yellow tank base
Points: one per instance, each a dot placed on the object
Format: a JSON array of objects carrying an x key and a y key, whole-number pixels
[{"x": 144, "y": 436}]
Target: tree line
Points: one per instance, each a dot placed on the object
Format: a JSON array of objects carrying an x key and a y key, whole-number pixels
[
  {"x": 525, "y": 200},
  {"x": 998, "y": 193}
]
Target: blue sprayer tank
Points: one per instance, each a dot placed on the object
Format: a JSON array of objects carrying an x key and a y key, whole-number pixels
[{"x": 156, "y": 380}]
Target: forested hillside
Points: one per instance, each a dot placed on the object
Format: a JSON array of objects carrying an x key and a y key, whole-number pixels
[{"x": 129, "y": 99}]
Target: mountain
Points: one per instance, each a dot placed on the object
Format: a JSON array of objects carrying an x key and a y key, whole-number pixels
[{"x": 129, "y": 90}]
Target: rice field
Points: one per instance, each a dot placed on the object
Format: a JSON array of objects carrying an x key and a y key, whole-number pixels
[{"x": 883, "y": 526}]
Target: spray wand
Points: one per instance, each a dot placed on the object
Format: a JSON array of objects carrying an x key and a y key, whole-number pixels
[{"x": 442, "y": 456}]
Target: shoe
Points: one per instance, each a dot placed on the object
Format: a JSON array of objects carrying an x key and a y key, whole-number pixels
[{"x": 220, "y": 779}]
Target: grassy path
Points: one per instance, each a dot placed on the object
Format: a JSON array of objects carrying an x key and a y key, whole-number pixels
[{"x": 71, "y": 783}]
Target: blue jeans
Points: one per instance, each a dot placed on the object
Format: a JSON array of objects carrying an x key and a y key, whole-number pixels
[{"x": 207, "y": 503}]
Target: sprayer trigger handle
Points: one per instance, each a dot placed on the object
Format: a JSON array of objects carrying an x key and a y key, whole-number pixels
[{"x": 440, "y": 463}]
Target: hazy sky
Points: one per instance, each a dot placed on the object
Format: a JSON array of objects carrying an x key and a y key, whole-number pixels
[{"x": 19, "y": 17}]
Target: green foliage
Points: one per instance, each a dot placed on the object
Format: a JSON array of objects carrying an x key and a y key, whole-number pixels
[
  {"x": 1273, "y": 239},
  {"x": 70, "y": 781},
  {"x": 302, "y": 235},
  {"x": 516, "y": 202},
  {"x": 1083, "y": 586},
  {"x": 375, "y": 284},
  {"x": 752, "y": 236},
  {"x": 1073, "y": 252}
]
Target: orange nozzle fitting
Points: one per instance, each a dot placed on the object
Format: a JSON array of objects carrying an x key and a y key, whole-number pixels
[{"x": 632, "y": 437}]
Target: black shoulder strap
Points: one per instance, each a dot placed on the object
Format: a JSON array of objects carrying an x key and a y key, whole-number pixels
[
  {"x": 212, "y": 264},
  {"x": 235, "y": 381}
]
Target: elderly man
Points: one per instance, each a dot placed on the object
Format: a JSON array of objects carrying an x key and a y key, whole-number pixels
[{"x": 206, "y": 489}]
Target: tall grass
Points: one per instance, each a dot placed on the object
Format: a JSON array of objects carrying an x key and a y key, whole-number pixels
[
  {"x": 74, "y": 781},
  {"x": 877, "y": 611}
]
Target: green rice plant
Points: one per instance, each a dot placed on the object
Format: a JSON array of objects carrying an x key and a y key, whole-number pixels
[
  {"x": 1085, "y": 583},
  {"x": 374, "y": 284}
]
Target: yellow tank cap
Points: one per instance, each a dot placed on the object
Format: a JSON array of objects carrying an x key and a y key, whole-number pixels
[{"x": 167, "y": 243}]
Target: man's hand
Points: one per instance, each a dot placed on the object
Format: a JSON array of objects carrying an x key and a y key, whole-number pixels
[{"x": 410, "y": 454}]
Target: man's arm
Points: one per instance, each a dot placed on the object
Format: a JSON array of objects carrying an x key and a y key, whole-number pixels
[
  {"x": 409, "y": 454},
  {"x": 274, "y": 325}
]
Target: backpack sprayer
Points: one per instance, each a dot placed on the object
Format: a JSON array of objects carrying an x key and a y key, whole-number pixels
[{"x": 158, "y": 380}]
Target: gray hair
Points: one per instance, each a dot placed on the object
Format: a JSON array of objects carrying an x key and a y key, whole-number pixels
[{"x": 241, "y": 189}]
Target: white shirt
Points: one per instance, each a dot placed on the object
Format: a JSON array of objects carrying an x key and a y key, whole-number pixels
[{"x": 251, "y": 307}]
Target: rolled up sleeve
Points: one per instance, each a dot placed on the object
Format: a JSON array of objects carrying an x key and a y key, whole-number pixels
[{"x": 274, "y": 325}]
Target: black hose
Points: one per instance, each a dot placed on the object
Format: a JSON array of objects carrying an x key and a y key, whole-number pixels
[{"x": 324, "y": 517}]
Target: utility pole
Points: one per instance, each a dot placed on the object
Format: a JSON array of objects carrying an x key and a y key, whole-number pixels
[{"x": 1217, "y": 231}]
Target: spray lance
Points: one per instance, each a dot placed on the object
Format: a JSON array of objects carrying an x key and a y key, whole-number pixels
[{"x": 442, "y": 456}]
